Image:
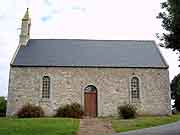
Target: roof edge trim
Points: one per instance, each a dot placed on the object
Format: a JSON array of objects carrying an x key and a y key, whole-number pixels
[
  {"x": 90, "y": 39},
  {"x": 161, "y": 55},
  {"x": 166, "y": 67}
]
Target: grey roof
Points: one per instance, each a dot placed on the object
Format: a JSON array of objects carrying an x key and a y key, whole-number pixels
[{"x": 89, "y": 53}]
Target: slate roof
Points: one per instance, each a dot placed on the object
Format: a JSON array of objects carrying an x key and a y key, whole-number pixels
[{"x": 89, "y": 53}]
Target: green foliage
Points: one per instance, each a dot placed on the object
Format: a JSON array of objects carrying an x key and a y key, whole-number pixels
[
  {"x": 127, "y": 111},
  {"x": 73, "y": 110},
  {"x": 3, "y": 103},
  {"x": 170, "y": 17},
  {"x": 38, "y": 126},
  {"x": 177, "y": 103},
  {"x": 30, "y": 111},
  {"x": 175, "y": 91}
]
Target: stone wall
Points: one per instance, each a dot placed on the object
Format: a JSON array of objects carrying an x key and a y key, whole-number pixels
[{"x": 67, "y": 86}]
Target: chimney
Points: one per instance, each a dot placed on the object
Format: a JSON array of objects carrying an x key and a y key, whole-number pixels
[{"x": 25, "y": 29}]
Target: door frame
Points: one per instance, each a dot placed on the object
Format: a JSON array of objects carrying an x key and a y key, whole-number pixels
[{"x": 96, "y": 97}]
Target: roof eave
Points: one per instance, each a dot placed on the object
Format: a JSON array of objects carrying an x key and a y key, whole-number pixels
[{"x": 13, "y": 65}]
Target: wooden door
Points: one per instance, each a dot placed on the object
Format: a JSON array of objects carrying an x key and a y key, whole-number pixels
[{"x": 90, "y": 99}]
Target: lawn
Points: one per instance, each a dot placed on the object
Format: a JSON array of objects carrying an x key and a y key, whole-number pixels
[
  {"x": 121, "y": 125},
  {"x": 38, "y": 126}
]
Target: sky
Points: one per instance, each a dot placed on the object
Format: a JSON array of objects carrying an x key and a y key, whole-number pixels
[{"x": 80, "y": 19}]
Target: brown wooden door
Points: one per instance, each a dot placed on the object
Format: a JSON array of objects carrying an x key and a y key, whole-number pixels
[{"x": 90, "y": 104}]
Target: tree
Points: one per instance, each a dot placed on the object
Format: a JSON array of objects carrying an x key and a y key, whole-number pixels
[
  {"x": 2, "y": 106},
  {"x": 175, "y": 91},
  {"x": 170, "y": 17}
]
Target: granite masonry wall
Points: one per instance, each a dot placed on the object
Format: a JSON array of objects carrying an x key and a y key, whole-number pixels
[{"x": 67, "y": 86}]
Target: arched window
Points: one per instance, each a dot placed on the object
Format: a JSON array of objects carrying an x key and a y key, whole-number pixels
[
  {"x": 90, "y": 88},
  {"x": 135, "y": 95},
  {"x": 46, "y": 87}
]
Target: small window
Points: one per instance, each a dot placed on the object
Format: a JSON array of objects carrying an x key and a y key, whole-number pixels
[
  {"x": 90, "y": 89},
  {"x": 46, "y": 87},
  {"x": 135, "y": 89}
]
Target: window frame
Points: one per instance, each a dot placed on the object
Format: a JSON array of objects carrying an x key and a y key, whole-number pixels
[
  {"x": 138, "y": 99},
  {"x": 47, "y": 91}
]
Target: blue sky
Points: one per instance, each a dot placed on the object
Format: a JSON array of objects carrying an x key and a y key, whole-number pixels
[{"x": 86, "y": 19}]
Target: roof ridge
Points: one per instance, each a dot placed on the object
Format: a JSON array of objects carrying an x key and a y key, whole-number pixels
[{"x": 90, "y": 39}]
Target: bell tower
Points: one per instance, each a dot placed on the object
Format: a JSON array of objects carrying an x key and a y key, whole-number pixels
[{"x": 25, "y": 29}]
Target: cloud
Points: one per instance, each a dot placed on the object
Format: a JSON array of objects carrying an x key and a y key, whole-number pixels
[
  {"x": 172, "y": 59},
  {"x": 4, "y": 81},
  {"x": 46, "y": 18},
  {"x": 2, "y": 16},
  {"x": 78, "y": 8},
  {"x": 54, "y": 8},
  {"x": 48, "y": 2},
  {"x": 92, "y": 19}
]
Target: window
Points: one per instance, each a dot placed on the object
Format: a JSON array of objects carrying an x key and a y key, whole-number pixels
[
  {"x": 135, "y": 89},
  {"x": 46, "y": 87},
  {"x": 90, "y": 88}
]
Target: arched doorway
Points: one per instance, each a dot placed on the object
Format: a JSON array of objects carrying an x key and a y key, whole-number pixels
[{"x": 90, "y": 101}]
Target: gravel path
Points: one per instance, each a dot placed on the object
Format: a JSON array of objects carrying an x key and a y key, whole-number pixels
[{"x": 95, "y": 126}]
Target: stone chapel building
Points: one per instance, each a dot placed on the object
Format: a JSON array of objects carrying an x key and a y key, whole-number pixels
[{"x": 98, "y": 74}]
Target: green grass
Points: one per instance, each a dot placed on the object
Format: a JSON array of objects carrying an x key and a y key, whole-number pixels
[
  {"x": 122, "y": 125},
  {"x": 38, "y": 126}
]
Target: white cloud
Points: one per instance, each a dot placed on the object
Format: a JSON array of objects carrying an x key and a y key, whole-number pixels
[
  {"x": 93, "y": 19},
  {"x": 172, "y": 58}
]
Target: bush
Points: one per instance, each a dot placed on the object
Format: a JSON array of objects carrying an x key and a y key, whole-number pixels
[
  {"x": 73, "y": 110},
  {"x": 177, "y": 103},
  {"x": 30, "y": 111},
  {"x": 127, "y": 111},
  {"x": 3, "y": 103},
  {"x": 175, "y": 91}
]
